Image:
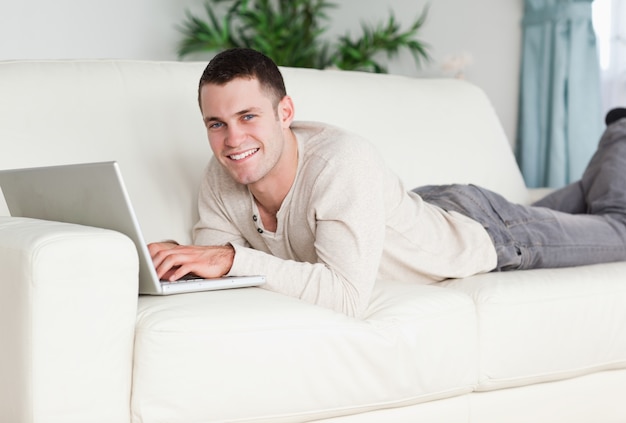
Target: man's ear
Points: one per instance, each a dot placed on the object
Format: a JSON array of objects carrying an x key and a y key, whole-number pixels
[{"x": 286, "y": 111}]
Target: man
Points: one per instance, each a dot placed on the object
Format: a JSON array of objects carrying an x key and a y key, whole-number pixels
[{"x": 313, "y": 208}]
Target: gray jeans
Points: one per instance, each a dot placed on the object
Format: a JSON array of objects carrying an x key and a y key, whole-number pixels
[{"x": 582, "y": 223}]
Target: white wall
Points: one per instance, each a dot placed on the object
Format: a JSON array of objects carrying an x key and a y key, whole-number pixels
[{"x": 487, "y": 30}]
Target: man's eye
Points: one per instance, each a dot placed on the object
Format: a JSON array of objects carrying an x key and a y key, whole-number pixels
[
  {"x": 248, "y": 117},
  {"x": 215, "y": 125}
]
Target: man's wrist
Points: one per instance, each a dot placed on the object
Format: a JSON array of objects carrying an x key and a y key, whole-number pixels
[{"x": 228, "y": 254}]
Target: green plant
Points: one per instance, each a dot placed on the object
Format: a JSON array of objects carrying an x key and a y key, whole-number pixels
[{"x": 290, "y": 32}]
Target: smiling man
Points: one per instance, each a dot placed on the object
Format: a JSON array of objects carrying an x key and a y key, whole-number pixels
[
  {"x": 309, "y": 205},
  {"x": 313, "y": 207}
]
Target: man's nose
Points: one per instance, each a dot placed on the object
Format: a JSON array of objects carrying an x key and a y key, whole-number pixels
[{"x": 234, "y": 136}]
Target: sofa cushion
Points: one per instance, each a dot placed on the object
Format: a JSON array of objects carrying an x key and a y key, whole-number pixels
[
  {"x": 145, "y": 116},
  {"x": 549, "y": 324},
  {"x": 273, "y": 357},
  {"x": 142, "y": 114}
]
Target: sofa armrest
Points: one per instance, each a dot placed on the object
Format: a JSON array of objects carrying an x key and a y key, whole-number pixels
[{"x": 67, "y": 315}]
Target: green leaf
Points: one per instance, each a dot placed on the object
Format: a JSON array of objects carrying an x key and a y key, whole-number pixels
[{"x": 291, "y": 33}]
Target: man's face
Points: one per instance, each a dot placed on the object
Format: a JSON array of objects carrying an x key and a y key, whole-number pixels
[{"x": 246, "y": 132}]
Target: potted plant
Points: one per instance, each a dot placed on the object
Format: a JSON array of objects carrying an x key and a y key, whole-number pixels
[{"x": 289, "y": 32}]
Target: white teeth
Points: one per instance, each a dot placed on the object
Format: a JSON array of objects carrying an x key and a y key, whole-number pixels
[{"x": 244, "y": 154}]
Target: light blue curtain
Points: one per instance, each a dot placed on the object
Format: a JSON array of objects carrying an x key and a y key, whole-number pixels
[{"x": 560, "y": 114}]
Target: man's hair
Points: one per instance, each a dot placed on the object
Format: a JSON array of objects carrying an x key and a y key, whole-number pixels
[{"x": 248, "y": 64}]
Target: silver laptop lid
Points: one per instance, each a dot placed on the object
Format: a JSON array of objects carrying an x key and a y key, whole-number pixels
[
  {"x": 94, "y": 194},
  {"x": 91, "y": 194}
]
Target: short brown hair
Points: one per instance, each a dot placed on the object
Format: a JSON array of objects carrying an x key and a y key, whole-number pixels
[{"x": 244, "y": 63}]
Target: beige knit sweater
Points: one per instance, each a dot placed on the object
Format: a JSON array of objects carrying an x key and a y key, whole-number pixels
[{"x": 346, "y": 223}]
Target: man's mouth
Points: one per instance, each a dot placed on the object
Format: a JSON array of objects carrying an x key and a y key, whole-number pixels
[{"x": 243, "y": 155}]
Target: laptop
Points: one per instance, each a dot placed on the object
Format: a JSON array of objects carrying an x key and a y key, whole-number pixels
[{"x": 94, "y": 194}]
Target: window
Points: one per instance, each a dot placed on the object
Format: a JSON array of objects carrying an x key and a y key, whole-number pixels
[{"x": 609, "y": 21}]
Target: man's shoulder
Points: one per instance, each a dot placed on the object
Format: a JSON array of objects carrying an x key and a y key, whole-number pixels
[
  {"x": 306, "y": 130},
  {"x": 328, "y": 141},
  {"x": 330, "y": 152}
]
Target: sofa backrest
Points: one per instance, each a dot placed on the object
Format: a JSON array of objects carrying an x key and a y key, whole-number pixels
[{"x": 145, "y": 116}]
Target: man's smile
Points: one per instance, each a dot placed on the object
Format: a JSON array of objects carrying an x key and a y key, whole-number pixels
[{"x": 241, "y": 156}]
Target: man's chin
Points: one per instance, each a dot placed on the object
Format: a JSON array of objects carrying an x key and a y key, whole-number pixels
[{"x": 244, "y": 179}]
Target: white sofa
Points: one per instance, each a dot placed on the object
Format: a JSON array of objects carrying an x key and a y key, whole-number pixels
[{"x": 80, "y": 346}]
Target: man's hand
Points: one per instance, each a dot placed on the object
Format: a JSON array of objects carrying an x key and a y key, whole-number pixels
[{"x": 173, "y": 261}]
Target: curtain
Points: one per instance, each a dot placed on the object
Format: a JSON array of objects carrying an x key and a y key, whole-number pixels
[
  {"x": 609, "y": 18},
  {"x": 560, "y": 112}
]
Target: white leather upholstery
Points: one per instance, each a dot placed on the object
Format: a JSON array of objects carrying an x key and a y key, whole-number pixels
[
  {"x": 79, "y": 346},
  {"x": 544, "y": 325},
  {"x": 145, "y": 115},
  {"x": 287, "y": 360},
  {"x": 67, "y": 314}
]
